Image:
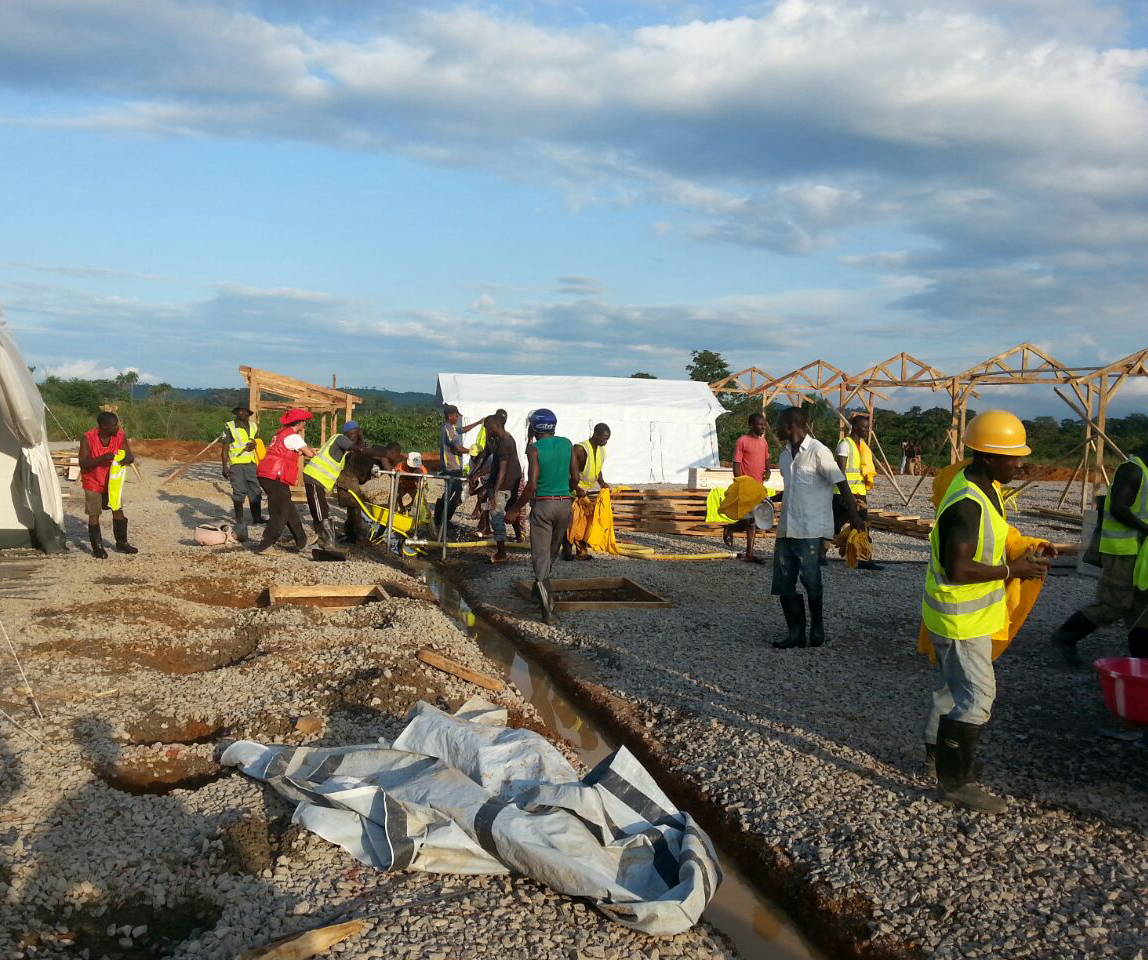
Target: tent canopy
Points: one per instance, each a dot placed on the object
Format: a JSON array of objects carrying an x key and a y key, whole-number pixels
[{"x": 659, "y": 428}]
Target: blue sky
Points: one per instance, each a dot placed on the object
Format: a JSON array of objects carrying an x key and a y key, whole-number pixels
[{"x": 385, "y": 191}]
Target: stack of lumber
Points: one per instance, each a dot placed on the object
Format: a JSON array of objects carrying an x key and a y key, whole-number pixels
[
  {"x": 67, "y": 463},
  {"x": 906, "y": 526},
  {"x": 663, "y": 511}
]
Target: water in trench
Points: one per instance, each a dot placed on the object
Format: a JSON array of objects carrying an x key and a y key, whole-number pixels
[{"x": 756, "y": 926}]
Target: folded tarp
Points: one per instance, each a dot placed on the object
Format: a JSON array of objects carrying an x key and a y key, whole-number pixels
[{"x": 466, "y": 794}]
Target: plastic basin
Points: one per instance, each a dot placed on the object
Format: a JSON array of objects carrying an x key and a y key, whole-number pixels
[{"x": 1124, "y": 681}]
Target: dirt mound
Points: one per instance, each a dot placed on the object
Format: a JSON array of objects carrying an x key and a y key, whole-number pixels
[
  {"x": 215, "y": 592},
  {"x": 157, "y": 727},
  {"x": 149, "y": 773},
  {"x": 178, "y": 450}
]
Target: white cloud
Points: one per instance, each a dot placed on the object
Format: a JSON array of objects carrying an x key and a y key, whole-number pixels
[{"x": 90, "y": 370}]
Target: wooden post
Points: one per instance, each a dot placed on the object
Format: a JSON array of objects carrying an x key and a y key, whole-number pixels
[
  {"x": 1089, "y": 440},
  {"x": 1102, "y": 423}
]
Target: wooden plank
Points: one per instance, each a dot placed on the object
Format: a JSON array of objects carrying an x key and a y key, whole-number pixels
[
  {"x": 280, "y": 592},
  {"x": 439, "y": 662}
]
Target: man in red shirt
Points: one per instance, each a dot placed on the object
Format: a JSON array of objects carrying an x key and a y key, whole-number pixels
[
  {"x": 98, "y": 449},
  {"x": 750, "y": 459}
]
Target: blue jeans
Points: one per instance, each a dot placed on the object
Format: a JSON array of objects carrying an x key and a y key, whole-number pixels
[{"x": 791, "y": 558}]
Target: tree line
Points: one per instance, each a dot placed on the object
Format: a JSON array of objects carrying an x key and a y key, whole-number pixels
[{"x": 151, "y": 411}]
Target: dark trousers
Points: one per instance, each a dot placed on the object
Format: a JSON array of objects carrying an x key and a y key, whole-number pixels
[
  {"x": 317, "y": 502},
  {"x": 452, "y": 497},
  {"x": 793, "y": 558},
  {"x": 281, "y": 513},
  {"x": 841, "y": 516}
]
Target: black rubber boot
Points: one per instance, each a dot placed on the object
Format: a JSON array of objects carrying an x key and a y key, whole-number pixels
[
  {"x": 1071, "y": 632},
  {"x": 869, "y": 565},
  {"x": 567, "y": 550},
  {"x": 1138, "y": 642},
  {"x": 237, "y": 505},
  {"x": 545, "y": 601},
  {"x": 120, "y": 528},
  {"x": 97, "y": 540},
  {"x": 257, "y": 511},
  {"x": 794, "y": 610},
  {"x": 816, "y": 622},
  {"x": 931, "y": 761},
  {"x": 956, "y": 762}
]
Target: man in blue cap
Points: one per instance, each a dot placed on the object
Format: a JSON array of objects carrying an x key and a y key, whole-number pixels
[{"x": 322, "y": 473}]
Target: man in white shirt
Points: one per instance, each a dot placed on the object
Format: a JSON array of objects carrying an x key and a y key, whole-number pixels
[{"x": 811, "y": 475}]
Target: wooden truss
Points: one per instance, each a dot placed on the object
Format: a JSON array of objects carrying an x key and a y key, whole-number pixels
[
  {"x": 273, "y": 392},
  {"x": 744, "y": 381},
  {"x": 1087, "y": 393}
]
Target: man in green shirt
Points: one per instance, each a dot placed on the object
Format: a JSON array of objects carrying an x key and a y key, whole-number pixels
[{"x": 551, "y": 476}]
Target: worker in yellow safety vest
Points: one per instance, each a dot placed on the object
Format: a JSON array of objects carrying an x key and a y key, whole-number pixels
[
  {"x": 321, "y": 473},
  {"x": 1123, "y": 536},
  {"x": 240, "y": 458},
  {"x": 589, "y": 458},
  {"x": 856, "y": 461},
  {"x": 964, "y": 599}
]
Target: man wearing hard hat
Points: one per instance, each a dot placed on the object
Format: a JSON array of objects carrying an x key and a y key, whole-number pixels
[{"x": 964, "y": 599}]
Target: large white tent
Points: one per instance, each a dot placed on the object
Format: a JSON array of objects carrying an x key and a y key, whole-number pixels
[
  {"x": 31, "y": 506},
  {"x": 659, "y": 428}
]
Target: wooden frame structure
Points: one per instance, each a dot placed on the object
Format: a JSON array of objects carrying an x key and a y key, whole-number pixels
[
  {"x": 1090, "y": 391},
  {"x": 269, "y": 391}
]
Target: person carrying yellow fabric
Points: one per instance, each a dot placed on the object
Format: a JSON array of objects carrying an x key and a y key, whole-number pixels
[
  {"x": 1123, "y": 533},
  {"x": 856, "y": 461},
  {"x": 964, "y": 605},
  {"x": 751, "y": 462},
  {"x": 589, "y": 458}
]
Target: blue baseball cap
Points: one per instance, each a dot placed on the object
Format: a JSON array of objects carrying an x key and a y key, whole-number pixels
[{"x": 349, "y": 426}]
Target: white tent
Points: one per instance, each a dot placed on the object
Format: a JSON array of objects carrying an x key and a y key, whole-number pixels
[
  {"x": 659, "y": 428},
  {"x": 31, "y": 506}
]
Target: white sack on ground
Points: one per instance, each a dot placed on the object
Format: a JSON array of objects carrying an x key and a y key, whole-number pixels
[{"x": 466, "y": 794}]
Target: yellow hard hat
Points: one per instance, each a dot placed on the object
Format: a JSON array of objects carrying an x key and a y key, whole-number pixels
[{"x": 997, "y": 431}]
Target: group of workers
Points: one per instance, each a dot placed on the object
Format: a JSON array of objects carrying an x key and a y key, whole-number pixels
[{"x": 967, "y": 613}]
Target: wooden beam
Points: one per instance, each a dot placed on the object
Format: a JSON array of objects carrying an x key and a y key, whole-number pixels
[{"x": 439, "y": 662}]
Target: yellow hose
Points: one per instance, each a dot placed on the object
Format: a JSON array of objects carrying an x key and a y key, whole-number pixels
[
  {"x": 467, "y": 544},
  {"x": 638, "y": 551}
]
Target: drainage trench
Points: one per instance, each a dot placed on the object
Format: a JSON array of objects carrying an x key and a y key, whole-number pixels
[{"x": 756, "y": 926}]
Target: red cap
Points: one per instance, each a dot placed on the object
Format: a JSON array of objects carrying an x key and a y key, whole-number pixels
[{"x": 295, "y": 416}]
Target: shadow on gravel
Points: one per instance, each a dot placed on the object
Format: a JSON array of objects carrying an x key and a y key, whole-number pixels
[
  {"x": 127, "y": 876},
  {"x": 192, "y": 511}
]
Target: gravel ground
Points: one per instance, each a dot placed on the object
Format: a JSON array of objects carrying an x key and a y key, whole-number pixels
[
  {"x": 820, "y": 751},
  {"x": 126, "y": 839}
]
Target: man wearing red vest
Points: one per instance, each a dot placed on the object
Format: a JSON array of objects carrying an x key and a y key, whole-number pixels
[{"x": 98, "y": 449}]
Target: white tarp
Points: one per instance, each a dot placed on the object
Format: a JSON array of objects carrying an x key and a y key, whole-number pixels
[
  {"x": 33, "y": 510},
  {"x": 466, "y": 794},
  {"x": 659, "y": 428}
]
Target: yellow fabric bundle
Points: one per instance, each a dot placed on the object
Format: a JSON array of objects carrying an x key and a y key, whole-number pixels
[
  {"x": 592, "y": 522},
  {"x": 741, "y": 497},
  {"x": 1140, "y": 571},
  {"x": 855, "y": 546},
  {"x": 868, "y": 471},
  {"x": 713, "y": 507}
]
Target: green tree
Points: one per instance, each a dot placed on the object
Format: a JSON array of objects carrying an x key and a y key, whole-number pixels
[
  {"x": 708, "y": 366},
  {"x": 642, "y": 376}
]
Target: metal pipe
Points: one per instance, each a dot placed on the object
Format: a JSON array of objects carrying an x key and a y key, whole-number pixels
[{"x": 391, "y": 507}]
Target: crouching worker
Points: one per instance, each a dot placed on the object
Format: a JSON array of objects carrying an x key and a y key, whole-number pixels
[
  {"x": 104, "y": 458},
  {"x": 964, "y": 602},
  {"x": 551, "y": 475}
]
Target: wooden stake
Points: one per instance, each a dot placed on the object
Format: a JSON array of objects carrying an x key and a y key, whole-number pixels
[
  {"x": 439, "y": 662},
  {"x": 20, "y": 667},
  {"x": 182, "y": 470}
]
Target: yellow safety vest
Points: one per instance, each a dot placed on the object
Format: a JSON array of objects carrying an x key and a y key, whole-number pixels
[
  {"x": 116, "y": 481},
  {"x": 853, "y": 475},
  {"x": 595, "y": 457},
  {"x": 479, "y": 443},
  {"x": 1116, "y": 538},
  {"x": 237, "y": 451},
  {"x": 961, "y": 611},
  {"x": 323, "y": 468}
]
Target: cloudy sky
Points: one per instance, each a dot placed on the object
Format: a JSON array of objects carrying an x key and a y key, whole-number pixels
[{"x": 388, "y": 190}]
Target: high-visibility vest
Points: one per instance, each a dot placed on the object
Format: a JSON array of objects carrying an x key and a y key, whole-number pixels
[
  {"x": 237, "y": 451},
  {"x": 961, "y": 611},
  {"x": 853, "y": 475},
  {"x": 595, "y": 457},
  {"x": 1115, "y": 537},
  {"x": 116, "y": 481},
  {"x": 479, "y": 444},
  {"x": 323, "y": 468}
]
